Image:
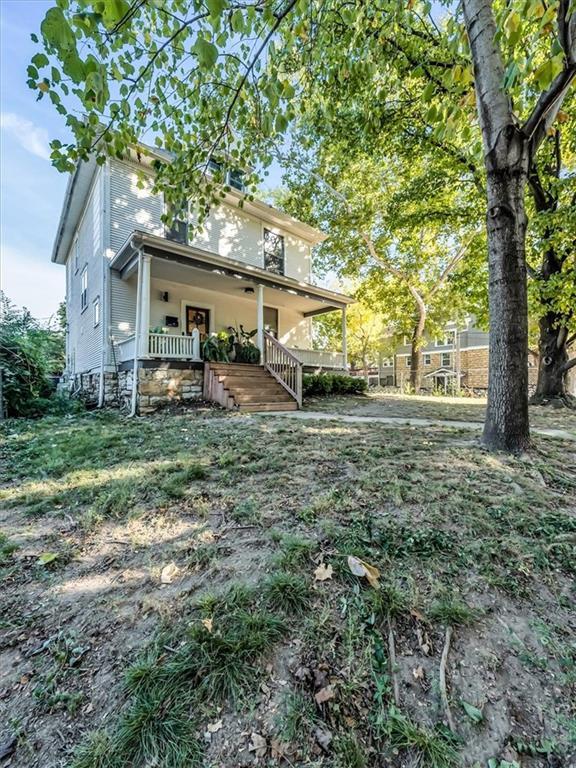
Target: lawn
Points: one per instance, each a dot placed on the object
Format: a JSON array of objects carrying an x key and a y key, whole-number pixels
[
  {"x": 378, "y": 403},
  {"x": 199, "y": 590}
]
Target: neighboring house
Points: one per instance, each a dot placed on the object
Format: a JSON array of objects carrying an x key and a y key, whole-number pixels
[
  {"x": 140, "y": 298},
  {"x": 461, "y": 353}
]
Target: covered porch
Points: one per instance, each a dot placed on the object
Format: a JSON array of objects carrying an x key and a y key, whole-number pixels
[{"x": 180, "y": 295}]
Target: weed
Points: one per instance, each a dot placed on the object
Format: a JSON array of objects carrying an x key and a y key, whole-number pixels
[
  {"x": 348, "y": 753},
  {"x": 177, "y": 480},
  {"x": 247, "y": 512},
  {"x": 286, "y": 592},
  {"x": 203, "y": 556},
  {"x": 295, "y": 552},
  {"x": 7, "y": 549},
  {"x": 450, "y": 610},
  {"x": 433, "y": 748},
  {"x": 296, "y": 718}
]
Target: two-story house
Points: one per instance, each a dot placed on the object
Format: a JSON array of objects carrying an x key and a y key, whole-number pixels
[
  {"x": 141, "y": 298},
  {"x": 456, "y": 360}
]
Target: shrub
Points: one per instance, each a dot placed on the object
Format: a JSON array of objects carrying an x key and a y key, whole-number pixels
[
  {"x": 31, "y": 356},
  {"x": 321, "y": 384}
]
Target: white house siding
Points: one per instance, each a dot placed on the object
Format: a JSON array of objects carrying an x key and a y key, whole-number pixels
[
  {"x": 230, "y": 232},
  {"x": 84, "y": 339},
  {"x": 298, "y": 259},
  {"x": 225, "y": 310}
]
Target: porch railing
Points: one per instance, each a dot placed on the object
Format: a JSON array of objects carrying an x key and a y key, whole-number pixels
[
  {"x": 177, "y": 347},
  {"x": 163, "y": 345},
  {"x": 319, "y": 358},
  {"x": 126, "y": 349},
  {"x": 284, "y": 366}
]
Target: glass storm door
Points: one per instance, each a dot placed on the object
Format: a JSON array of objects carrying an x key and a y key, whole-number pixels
[{"x": 197, "y": 317}]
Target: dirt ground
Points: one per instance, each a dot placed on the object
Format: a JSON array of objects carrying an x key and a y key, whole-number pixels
[{"x": 199, "y": 590}]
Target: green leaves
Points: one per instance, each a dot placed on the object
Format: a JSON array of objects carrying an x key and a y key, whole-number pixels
[
  {"x": 473, "y": 713},
  {"x": 206, "y": 51}
]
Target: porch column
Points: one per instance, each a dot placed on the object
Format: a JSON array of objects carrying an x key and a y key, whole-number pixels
[
  {"x": 144, "y": 307},
  {"x": 344, "y": 342},
  {"x": 260, "y": 320}
]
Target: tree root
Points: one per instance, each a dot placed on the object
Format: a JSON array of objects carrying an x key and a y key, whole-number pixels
[
  {"x": 392, "y": 660},
  {"x": 565, "y": 400},
  {"x": 443, "y": 689}
]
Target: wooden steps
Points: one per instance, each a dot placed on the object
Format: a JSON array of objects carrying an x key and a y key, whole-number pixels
[{"x": 245, "y": 387}]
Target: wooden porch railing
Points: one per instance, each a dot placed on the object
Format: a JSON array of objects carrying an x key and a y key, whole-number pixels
[
  {"x": 284, "y": 366},
  {"x": 177, "y": 347},
  {"x": 126, "y": 349},
  {"x": 320, "y": 358}
]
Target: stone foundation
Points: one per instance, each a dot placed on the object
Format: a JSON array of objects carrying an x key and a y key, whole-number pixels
[{"x": 157, "y": 386}]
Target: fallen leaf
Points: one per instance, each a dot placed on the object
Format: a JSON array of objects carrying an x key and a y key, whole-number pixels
[
  {"x": 323, "y": 572},
  {"x": 47, "y": 557},
  {"x": 214, "y": 727},
  {"x": 416, "y": 614},
  {"x": 208, "y": 624},
  {"x": 325, "y": 694},
  {"x": 473, "y": 712},
  {"x": 169, "y": 573},
  {"x": 259, "y": 745},
  {"x": 361, "y": 568},
  {"x": 418, "y": 673}
]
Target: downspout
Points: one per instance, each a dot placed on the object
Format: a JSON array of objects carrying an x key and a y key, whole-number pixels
[{"x": 134, "y": 402}]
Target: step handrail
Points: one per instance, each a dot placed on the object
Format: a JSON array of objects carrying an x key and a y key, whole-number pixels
[{"x": 284, "y": 366}]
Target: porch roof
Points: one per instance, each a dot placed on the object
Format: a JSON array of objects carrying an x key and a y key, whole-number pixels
[
  {"x": 447, "y": 373},
  {"x": 126, "y": 259}
]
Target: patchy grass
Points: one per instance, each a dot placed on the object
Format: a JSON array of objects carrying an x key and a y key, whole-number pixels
[
  {"x": 186, "y": 620},
  {"x": 377, "y": 403}
]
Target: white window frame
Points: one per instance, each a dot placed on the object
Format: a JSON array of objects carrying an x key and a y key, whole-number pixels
[
  {"x": 408, "y": 361},
  {"x": 278, "y": 233},
  {"x": 449, "y": 356},
  {"x": 96, "y": 311},
  {"x": 84, "y": 289},
  {"x": 427, "y": 358},
  {"x": 448, "y": 340}
]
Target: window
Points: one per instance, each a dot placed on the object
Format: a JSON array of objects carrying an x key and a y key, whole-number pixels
[
  {"x": 427, "y": 360},
  {"x": 273, "y": 252},
  {"x": 408, "y": 362},
  {"x": 84, "y": 289},
  {"x": 96, "y": 310},
  {"x": 178, "y": 223},
  {"x": 236, "y": 180},
  {"x": 447, "y": 340},
  {"x": 446, "y": 359}
]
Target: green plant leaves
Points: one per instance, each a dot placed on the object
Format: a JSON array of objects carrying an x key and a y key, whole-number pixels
[
  {"x": 207, "y": 53},
  {"x": 473, "y": 712}
]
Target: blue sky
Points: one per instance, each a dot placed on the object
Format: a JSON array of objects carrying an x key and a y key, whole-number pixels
[{"x": 31, "y": 191}]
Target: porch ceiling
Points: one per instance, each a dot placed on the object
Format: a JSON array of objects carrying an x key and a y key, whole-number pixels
[{"x": 183, "y": 264}]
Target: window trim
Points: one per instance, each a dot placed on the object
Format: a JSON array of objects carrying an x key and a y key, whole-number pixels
[
  {"x": 427, "y": 358},
  {"x": 277, "y": 234},
  {"x": 96, "y": 311},
  {"x": 443, "y": 364},
  {"x": 84, "y": 291},
  {"x": 408, "y": 361}
]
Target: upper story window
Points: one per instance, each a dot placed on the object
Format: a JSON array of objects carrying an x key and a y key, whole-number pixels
[
  {"x": 236, "y": 180},
  {"x": 96, "y": 311},
  {"x": 177, "y": 228},
  {"x": 84, "y": 289},
  {"x": 446, "y": 359},
  {"x": 408, "y": 362},
  {"x": 273, "y": 252},
  {"x": 427, "y": 359},
  {"x": 447, "y": 340}
]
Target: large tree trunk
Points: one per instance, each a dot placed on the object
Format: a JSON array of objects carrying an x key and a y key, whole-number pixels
[
  {"x": 506, "y": 161},
  {"x": 417, "y": 339},
  {"x": 506, "y": 426}
]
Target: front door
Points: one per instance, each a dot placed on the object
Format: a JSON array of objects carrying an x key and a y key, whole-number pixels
[
  {"x": 197, "y": 317},
  {"x": 271, "y": 321}
]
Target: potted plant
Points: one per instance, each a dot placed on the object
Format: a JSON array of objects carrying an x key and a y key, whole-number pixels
[{"x": 245, "y": 351}]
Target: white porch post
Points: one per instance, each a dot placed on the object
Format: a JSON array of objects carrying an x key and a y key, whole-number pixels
[
  {"x": 260, "y": 320},
  {"x": 144, "y": 307},
  {"x": 344, "y": 342}
]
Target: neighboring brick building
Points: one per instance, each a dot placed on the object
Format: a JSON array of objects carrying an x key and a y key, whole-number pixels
[{"x": 462, "y": 353}]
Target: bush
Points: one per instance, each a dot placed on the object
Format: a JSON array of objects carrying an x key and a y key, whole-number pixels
[
  {"x": 30, "y": 357},
  {"x": 321, "y": 384}
]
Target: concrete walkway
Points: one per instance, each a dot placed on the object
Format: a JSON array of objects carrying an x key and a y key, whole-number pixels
[{"x": 402, "y": 421}]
